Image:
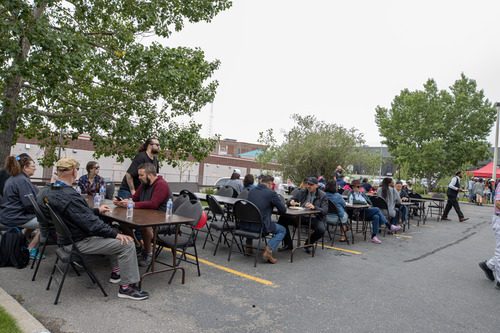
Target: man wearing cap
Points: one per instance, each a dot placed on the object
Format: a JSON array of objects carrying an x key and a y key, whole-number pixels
[
  {"x": 90, "y": 233},
  {"x": 311, "y": 197}
]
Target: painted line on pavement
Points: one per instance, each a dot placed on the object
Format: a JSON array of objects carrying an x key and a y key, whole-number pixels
[
  {"x": 231, "y": 271},
  {"x": 403, "y": 236},
  {"x": 343, "y": 250}
]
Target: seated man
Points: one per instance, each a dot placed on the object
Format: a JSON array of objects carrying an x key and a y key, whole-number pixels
[
  {"x": 90, "y": 233},
  {"x": 265, "y": 199},
  {"x": 311, "y": 198},
  {"x": 152, "y": 193}
]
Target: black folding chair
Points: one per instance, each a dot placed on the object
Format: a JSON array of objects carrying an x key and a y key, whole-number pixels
[
  {"x": 335, "y": 223},
  {"x": 45, "y": 228},
  {"x": 224, "y": 226},
  {"x": 186, "y": 239},
  {"x": 67, "y": 257},
  {"x": 381, "y": 204},
  {"x": 248, "y": 225}
]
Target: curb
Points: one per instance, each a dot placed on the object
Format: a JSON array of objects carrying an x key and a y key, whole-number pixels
[{"x": 25, "y": 321}]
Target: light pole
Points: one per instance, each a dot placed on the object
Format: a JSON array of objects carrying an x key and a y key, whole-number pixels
[{"x": 495, "y": 152}]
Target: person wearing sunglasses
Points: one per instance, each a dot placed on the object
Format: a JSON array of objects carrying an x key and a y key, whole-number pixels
[{"x": 91, "y": 182}]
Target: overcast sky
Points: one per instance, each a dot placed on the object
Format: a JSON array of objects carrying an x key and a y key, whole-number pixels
[{"x": 338, "y": 60}]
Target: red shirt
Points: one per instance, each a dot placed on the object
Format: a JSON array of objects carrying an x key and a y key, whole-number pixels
[{"x": 160, "y": 192}]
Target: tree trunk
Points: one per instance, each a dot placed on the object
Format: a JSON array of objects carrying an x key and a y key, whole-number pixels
[{"x": 11, "y": 93}]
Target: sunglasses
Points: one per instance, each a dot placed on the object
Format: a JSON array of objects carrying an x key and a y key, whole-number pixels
[{"x": 97, "y": 167}]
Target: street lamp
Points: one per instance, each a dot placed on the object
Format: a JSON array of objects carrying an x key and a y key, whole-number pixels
[{"x": 495, "y": 152}]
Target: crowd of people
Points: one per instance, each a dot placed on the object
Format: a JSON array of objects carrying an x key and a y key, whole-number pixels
[{"x": 144, "y": 188}]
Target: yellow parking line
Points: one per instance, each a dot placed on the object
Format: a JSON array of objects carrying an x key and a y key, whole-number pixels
[
  {"x": 231, "y": 271},
  {"x": 343, "y": 250},
  {"x": 403, "y": 236}
]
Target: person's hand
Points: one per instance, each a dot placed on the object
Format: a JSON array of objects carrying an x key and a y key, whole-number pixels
[
  {"x": 293, "y": 203},
  {"x": 309, "y": 205},
  {"x": 404, "y": 199},
  {"x": 132, "y": 192},
  {"x": 104, "y": 209},
  {"x": 124, "y": 239},
  {"x": 120, "y": 203}
]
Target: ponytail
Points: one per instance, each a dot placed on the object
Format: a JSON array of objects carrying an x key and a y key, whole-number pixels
[{"x": 15, "y": 164}]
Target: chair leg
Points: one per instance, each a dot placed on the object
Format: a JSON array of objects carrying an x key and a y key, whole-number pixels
[
  {"x": 209, "y": 233},
  {"x": 218, "y": 242},
  {"x": 38, "y": 262},
  {"x": 230, "y": 249},
  {"x": 52, "y": 273},
  {"x": 196, "y": 257},
  {"x": 66, "y": 269},
  {"x": 257, "y": 252}
]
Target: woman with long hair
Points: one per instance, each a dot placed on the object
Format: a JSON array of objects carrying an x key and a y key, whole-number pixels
[
  {"x": 16, "y": 209},
  {"x": 387, "y": 192}
]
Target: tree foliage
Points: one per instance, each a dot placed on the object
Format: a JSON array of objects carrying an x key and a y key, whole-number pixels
[
  {"x": 313, "y": 148},
  {"x": 79, "y": 66},
  {"x": 437, "y": 132}
]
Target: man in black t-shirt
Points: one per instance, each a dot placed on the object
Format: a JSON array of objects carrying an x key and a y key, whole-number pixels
[{"x": 147, "y": 154}]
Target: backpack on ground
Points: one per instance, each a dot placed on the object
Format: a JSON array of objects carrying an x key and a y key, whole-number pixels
[{"x": 13, "y": 249}]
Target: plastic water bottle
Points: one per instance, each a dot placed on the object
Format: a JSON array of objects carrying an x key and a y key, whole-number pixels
[
  {"x": 169, "y": 211},
  {"x": 102, "y": 193},
  {"x": 97, "y": 200},
  {"x": 78, "y": 190},
  {"x": 130, "y": 208}
]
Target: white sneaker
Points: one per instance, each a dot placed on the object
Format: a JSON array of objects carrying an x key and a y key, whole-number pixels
[
  {"x": 376, "y": 240},
  {"x": 395, "y": 228}
]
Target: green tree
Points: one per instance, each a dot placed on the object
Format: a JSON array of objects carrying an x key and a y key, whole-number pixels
[
  {"x": 269, "y": 152},
  {"x": 435, "y": 132},
  {"x": 314, "y": 147},
  {"x": 78, "y": 67}
]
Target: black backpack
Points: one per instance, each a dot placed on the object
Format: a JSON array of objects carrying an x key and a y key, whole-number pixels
[{"x": 13, "y": 249}]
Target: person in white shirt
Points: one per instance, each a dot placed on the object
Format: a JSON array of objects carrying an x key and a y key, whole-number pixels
[{"x": 453, "y": 189}]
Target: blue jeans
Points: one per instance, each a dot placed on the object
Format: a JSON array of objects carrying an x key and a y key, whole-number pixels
[
  {"x": 403, "y": 211},
  {"x": 375, "y": 215},
  {"x": 278, "y": 236}
]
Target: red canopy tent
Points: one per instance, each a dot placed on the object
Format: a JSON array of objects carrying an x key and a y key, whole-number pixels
[{"x": 484, "y": 172}]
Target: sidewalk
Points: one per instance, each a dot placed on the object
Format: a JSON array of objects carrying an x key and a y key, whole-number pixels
[{"x": 26, "y": 322}]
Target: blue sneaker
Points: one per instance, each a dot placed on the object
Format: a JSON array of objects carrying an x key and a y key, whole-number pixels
[{"x": 35, "y": 255}]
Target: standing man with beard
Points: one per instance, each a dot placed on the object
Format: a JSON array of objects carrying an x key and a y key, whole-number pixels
[
  {"x": 148, "y": 153},
  {"x": 152, "y": 193}
]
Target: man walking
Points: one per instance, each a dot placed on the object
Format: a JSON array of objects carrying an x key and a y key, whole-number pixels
[
  {"x": 491, "y": 267},
  {"x": 453, "y": 190}
]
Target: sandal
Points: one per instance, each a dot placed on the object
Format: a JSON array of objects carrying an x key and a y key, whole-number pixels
[{"x": 343, "y": 239}]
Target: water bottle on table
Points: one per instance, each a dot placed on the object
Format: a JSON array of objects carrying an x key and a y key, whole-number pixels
[
  {"x": 97, "y": 200},
  {"x": 130, "y": 208},
  {"x": 169, "y": 212},
  {"x": 102, "y": 193}
]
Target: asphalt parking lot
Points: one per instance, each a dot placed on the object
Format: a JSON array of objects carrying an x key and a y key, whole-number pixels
[{"x": 425, "y": 280}]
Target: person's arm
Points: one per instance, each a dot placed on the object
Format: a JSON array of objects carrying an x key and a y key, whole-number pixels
[
  {"x": 159, "y": 196},
  {"x": 25, "y": 188},
  {"x": 82, "y": 184},
  {"x": 322, "y": 205},
  {"x": 276, "y": 201},
  {"x": 132, "y": 172},
  {"x": 84, "y": 218}
]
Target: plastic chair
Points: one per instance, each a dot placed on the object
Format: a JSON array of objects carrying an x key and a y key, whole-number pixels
[{"x": 67, "y": 257}]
